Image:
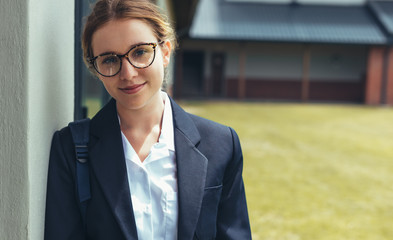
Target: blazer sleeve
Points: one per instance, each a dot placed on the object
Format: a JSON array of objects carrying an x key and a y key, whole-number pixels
[
  {"x": 232, "y": 219},
  {"x": 62, "y": 215}
]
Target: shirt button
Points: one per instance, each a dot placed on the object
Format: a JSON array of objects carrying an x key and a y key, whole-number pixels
[{"x": 147, "y": 209}]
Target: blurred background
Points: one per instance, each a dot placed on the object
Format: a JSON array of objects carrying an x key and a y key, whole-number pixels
[
  {"x": 308, "y": 86},
  {"x": 281, "y": 50}
]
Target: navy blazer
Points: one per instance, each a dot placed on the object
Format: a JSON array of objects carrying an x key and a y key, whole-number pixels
[{"x": 211, "y": 196}]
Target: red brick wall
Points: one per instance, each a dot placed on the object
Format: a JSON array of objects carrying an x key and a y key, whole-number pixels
[
  {"x": 389, "y": 80},
  {"x": 342, "y": 91},
  {"x": 265, "y": 89},
  {"x": 374, "y": 76}
]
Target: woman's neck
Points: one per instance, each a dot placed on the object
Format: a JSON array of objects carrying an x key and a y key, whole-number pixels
[{"x": 143, "y": 119}]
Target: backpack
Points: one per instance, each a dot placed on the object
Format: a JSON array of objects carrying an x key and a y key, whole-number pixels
[{"x": 80, "y": 135}]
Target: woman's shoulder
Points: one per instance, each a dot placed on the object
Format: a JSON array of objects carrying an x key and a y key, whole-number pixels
[
  {"x": 217, "y": 141},
  {"x": 211, "y": 129},
  {"x": 65, "y": 135},
  {"x": 205, "y": 127},
  {"x": 202, "y": 122}
]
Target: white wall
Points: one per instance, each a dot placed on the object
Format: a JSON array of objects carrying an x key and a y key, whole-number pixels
[
  {"x": 274, "y": 61},
  {"x": 37, "y": 94},
  {"x": 338, "y": 63},
  {"x": 281, "y": 61},
  {"x": 13, "y": 127}
]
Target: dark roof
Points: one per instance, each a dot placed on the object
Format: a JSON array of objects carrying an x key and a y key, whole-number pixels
[
  {"x": 384, "y": 12},
  {"x": 224, "y": 20}
]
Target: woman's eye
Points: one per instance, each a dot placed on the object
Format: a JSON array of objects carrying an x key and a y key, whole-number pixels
[
  {"x": 109, "y": 60},
  {"x": 139, "y": 52}
]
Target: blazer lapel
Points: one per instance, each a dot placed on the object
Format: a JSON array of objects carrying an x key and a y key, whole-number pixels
[
  {"x": 192, "y": 169},
  {"x": 108, "y": 164}
]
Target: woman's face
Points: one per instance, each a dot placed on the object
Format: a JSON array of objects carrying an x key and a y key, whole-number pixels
[{"x": 132, "y": 88}]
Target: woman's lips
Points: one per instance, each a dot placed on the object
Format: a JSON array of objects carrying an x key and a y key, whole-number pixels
[{"x": 132, "y": 89}]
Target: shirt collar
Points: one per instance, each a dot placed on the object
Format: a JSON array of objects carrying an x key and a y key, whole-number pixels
[{"x": 167, "y": 135}]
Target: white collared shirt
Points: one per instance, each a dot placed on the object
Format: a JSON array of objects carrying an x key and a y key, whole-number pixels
[{"x": 153, "y": 184}]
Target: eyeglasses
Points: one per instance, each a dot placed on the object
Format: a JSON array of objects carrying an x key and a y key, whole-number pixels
[{"x": 139, "y": 56}]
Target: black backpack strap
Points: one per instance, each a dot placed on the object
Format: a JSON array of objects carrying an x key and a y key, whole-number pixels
[{"x": 80, "y": 135}]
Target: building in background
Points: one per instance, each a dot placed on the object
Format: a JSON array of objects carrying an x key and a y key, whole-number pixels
[{"x": 288, "y": 51}]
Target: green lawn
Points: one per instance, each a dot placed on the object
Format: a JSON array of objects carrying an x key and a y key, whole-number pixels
[{"x": 313, "y": 172}]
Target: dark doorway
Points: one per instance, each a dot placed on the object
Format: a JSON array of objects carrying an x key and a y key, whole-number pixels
[
  {"x": 192, "y": 77},
  {"x": 217, "y": 74}
]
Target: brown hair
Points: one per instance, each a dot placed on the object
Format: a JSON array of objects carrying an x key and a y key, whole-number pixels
[{"x": 107, "y": 10}]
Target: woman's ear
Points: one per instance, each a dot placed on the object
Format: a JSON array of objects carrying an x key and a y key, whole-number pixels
[{"x": 166, "y": 49}]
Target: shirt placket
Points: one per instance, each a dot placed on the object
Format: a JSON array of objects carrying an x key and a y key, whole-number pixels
[{"x": 141, "y": 189}]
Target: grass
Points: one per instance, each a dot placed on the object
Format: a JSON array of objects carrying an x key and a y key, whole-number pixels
[{"x": 313, "y": 172}]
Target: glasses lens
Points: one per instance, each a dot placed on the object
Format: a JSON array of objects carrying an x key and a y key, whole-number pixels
[
  {"x": 107, "y": 65},
  {"x": 142, "y": 56}
]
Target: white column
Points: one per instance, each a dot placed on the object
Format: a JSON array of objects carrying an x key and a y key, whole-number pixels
[{"x": 37, "y": 95}]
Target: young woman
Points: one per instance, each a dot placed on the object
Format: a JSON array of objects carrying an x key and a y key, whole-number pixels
[{"x": 156, "y": 172}]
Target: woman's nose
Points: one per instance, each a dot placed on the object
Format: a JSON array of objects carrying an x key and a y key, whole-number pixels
[{"x": 127, "y": 71}]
